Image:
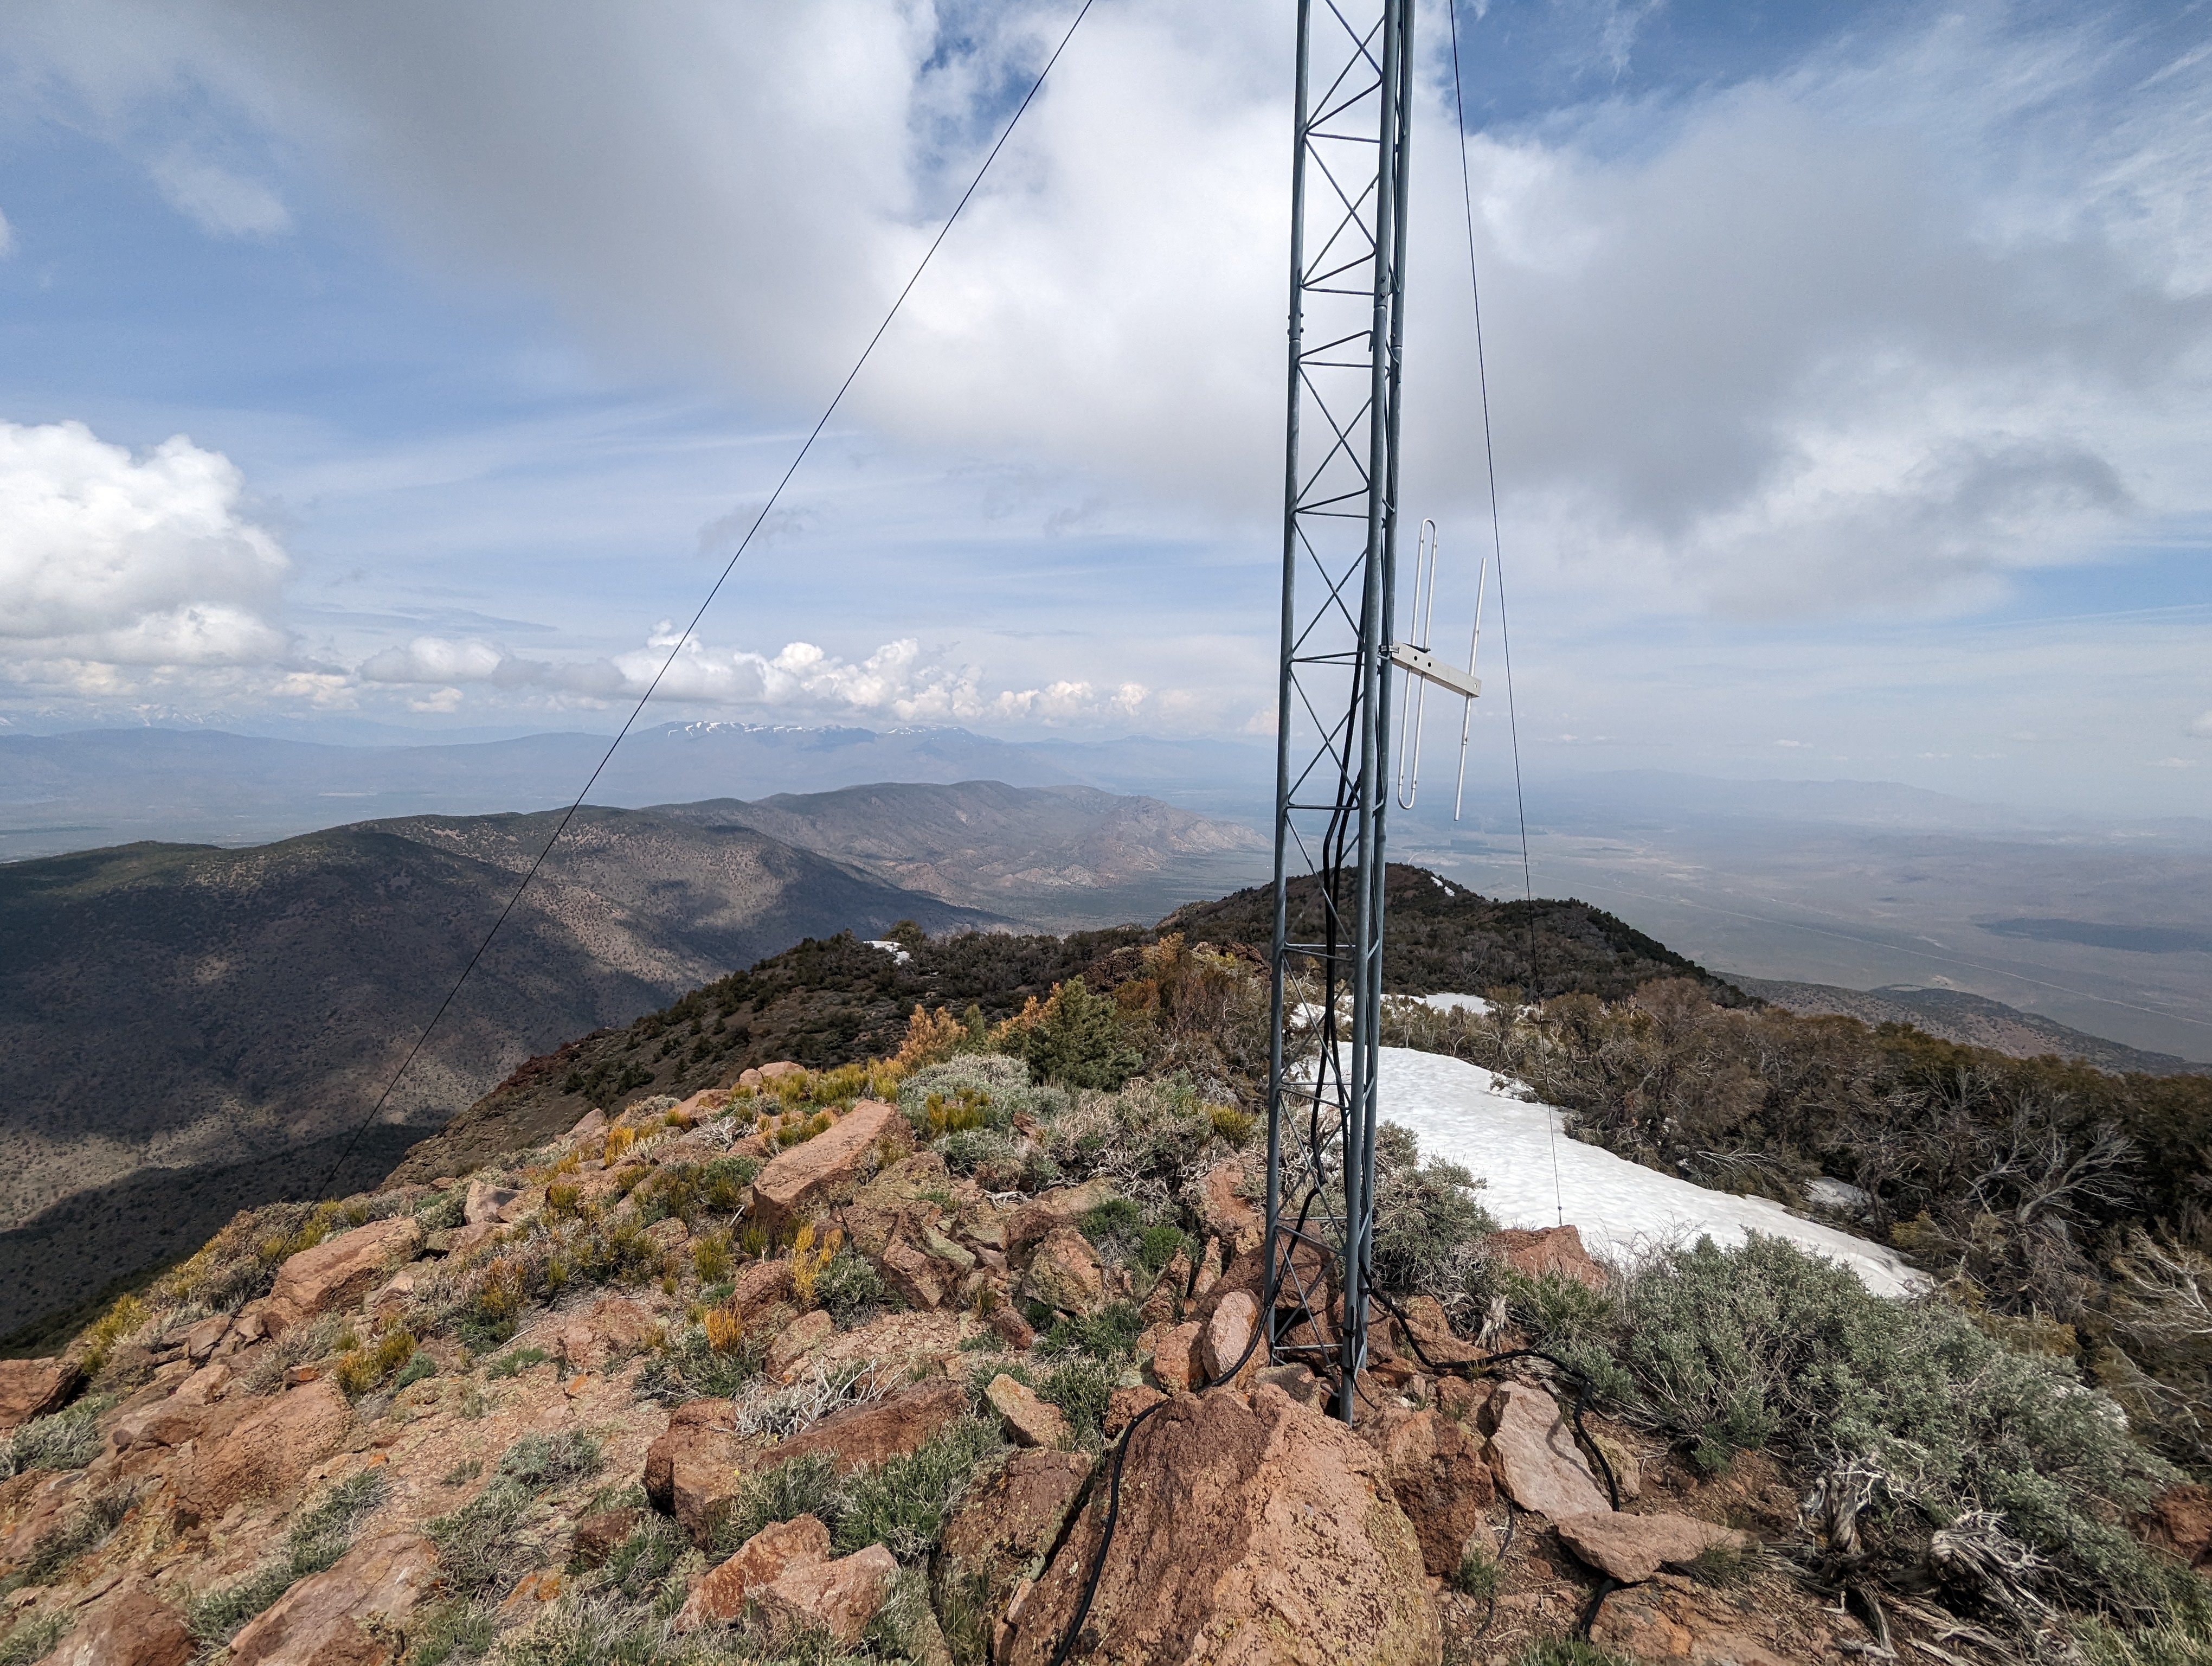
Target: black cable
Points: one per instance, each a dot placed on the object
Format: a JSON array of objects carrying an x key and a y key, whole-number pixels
[{"x": 728, "y": 567}]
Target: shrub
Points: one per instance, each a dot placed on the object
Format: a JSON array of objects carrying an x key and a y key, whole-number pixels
[
  {"x": 418, "y": 1366},
  {"x": 1935, "y": 1425},
  {"x": 318, "y": 1538},
  {"x": 849, "y": 1288},
  {"x": 444, "y": 1630},
  {"x": 996, "y": 1085},
  {"x": 483, "y": 1548},
  {"x": 1082, "y": 1389},
  {"x": 361, "y": 1369},
  {"x": 1156, "y": 1246},
  {"x": 514, "y": 1364},
  {"x": 60, "y": 1545},
  {"x": 1234, "y": 1126},
  {"x": 710, "y": 1258},
  {"x": 1476, "y": 1576},
  {"x": 1428, "y": 1224},
  {"x": 903, "y": 1505},
  {"x": 643, "y": 1565},
  {"x": 1110, "y": 1334},
  {"x": 32, "y": 1639},
  {"x": 541, "y": 1463},
  {"x": 691, "y": 1367},
  {"x": 1073, "y": 1037},
  {"x": 805, "y": 1486},
  {"x": 1117, "y": 1215},
  {"x": 67, "y": 1440}
]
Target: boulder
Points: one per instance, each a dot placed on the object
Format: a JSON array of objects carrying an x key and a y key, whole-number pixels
[
  {"x": 613, "y": 1325},
  {"x": 264, "y": 1449},
  {"x": 1632, "y": 1548},
  {"x": 1030, "y": 1421},
  {"x": 828, "y": 1169},
  {"x": 33, "y": 1388},
  {"x": 839, "y": 1598},
  {"x": 862, "y": 1437},
  {"x": 757, "y": 1288},
  {"x": 131, "y": 1628},
  {"x": 919, "y": 1280},
  {"x": 796, "y": 1344},
  {"x": 1438, "y": 1476},
  {"x": 1007, "y": 1521},
  {"x": 1046, "y": 1212},
  {"x": 691, "y": 1469},
  {"x": 1237, "y": 1221},
  {"x": 592, "y": 1121},
  {"x": 1125, "y": 1405},
  {"x": 201, "y": 1340},
  {"x": 722, "y": 1594},
  {"x": 1222, "y": 1345},
  {"x": 333, "y": 1618},
  {"x": 598, "y": 1536},
  {"x": 1533, "y": 1252},
  {"x": 1174, "y": 1357},
  {"x": 894, "y": 1344},
  {"x": 1012, "y": 1329},
  {"x": 167, "y": 1422},
  {"x": 338, "y": 1272},
  {"x": 1252, "y": 1531},
  {"x": 1534, "y": 1454},
  {"x": 1065, "y": 1273},
  {"x": 484, "y": 1201},
  {"x": 1694, "y": 1627}
]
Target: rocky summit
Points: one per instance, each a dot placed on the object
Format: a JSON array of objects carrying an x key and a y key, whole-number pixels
[{"x": 939, "y": 1358}]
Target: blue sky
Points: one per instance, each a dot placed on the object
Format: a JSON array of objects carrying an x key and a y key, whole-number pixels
[{"x": 1849, "y": 364}]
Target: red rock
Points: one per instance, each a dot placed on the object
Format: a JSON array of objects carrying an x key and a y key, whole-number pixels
[
  {"x": 1031, "y": 1421},
  {"x": 1632, "y": 1548},
  {"x": 613, "y": 1325},
  {"x": 841, "y": 1596},
  {"x": 759, "y": 1288},
  {"x": 200, "y": 1340},
  {"x": 338, "y": 1272},
  {"x": 1012, "y": 1329},
  {"x": 1438, "y": 1476},
  {"x": 1125, "y": 1405},
  {"x": 1049, "y": 1211},
  {"x": 1652, "y": 1623},
  {"x": 597, "y": 1537},
  {"x": 919, "y": 1280},
  {"x": 592, "y": 1121},
  {"x": 325, "y": 1620},
  {"x": 1548, "y": 1249},
  {"x": 33, "y": 1388},
  {"x": 894, "y": 1345},
  {"x": 1534, "y": 1457},
  {"x": 1008, "y": 1520},
  {"x": 132, "y": 1628},
  {"x": 1065, "y": 1273},
  {"x": 722, "y": 1594},
  {"x": 169, "y": 1422},
  {"x": 864, "y": 1437},
  {"x": 2180, "y": 1520},
  {"x": 692, "y": 1469},
  {"x": 828, "y": 1169},
  {"x": 1233, "y": 1220},
  {"x": 263, "y": 1448},
  {"x": 1225, "y": 1344},
  {"x": 796, "y": 1343},
  {"x": 1252, "y": 1531},
  {"x": 1174, "y": 1357}
]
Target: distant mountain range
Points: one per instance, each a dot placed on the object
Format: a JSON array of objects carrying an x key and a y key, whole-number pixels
[
  {"x": 1970, "y": 1019},
  {"x": 102, "y": 787},
  {"x": 190, "y": 1030}
]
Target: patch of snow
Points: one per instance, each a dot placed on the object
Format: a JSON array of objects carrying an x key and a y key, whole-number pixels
[
  {"x": 1463, "y": 1112},
  {"x": 889, "y": 947},
  {"x": 1455, "y": 1003}
]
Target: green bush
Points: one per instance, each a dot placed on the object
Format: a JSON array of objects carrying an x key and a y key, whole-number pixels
[
  {"x": 1082, "y": 1389},
  {"x": 60, "y": 1545},
  {"x": 850, "y": 1289},
  {"x": 995, "y": 1083},
  {"x": 690, "y": 1368},
  {"x": 1110, "y": 1334},
  {"x": 1428, "y": 1224},
  {"x": 541, "y": 1463},
  {"x": 904, "y": 1504},
  {"x": 32, "y": 1639},
  {"x": 418, "y": 1366},
  {"x": 1116, "y": 1217},
  {"x": 483, "y": 1548},
  {"x": 1733, "y": 1349},
  {"x": 514, "y": 1364},
  {"x": 804, "y": 1485},
  {"x": 1076, "y": 1041}
]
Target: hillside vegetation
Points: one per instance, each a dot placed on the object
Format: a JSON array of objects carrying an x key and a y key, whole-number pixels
[{"x": 922, "y": 1355}]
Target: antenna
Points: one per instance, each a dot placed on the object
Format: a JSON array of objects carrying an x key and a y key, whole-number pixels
[{"x": 1412, "y": 657}]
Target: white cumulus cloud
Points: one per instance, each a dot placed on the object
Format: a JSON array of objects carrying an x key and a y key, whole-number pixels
[
  {"x": 132, "y": 561},
  {"x": 221, "y": 202}
]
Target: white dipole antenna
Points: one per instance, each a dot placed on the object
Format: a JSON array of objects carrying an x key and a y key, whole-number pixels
[
  {"x": 1467, "y": 714},
  {"x": 1414, "y": 657},
  {"x": 1416, "y": 631}
]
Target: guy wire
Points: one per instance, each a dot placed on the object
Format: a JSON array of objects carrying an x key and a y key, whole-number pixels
[
  {"x": 1498, "y": 557},
  {"x": 728, "y": 567}
]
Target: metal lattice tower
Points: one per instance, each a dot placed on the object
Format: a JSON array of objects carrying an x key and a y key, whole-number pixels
[{"x": 1340, "y": 542}]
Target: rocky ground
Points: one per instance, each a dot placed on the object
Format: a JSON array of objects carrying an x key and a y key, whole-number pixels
[{"x": 894, "y": 1363}]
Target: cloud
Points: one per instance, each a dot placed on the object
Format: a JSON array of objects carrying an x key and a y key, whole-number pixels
[
  {"x": 7, "y": 238},
  {"x": 129, "y": 561},
  {"x": 2202, "y": 728},
  {"x": 221, "y": 202},
  {"x": 897, "y": 681}
]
